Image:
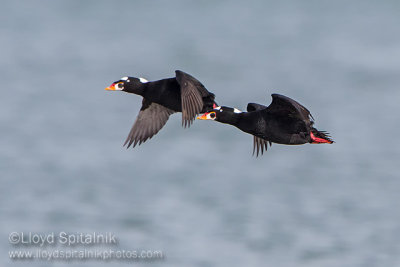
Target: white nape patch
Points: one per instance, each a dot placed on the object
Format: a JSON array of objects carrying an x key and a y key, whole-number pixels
[
  {"x": 236, "y": 110},
  {"x": 143, "y": 80},
  {"x": 124, "y": 78}
]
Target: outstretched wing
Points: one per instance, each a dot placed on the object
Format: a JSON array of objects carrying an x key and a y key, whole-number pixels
[
  {"x": 192, "y": 93},
  {"x": 259, "y": 144},
  {"x": 286, "y": 106},
  {"x": 152, "y": 117}
]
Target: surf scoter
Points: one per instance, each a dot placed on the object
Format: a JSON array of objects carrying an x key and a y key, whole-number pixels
[
  {"x": 284, "y": 121},
  {"x": 183, "y": 93}
]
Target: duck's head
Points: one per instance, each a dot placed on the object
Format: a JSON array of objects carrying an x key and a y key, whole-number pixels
[
  {"x": 128, "y": 84},
  {"x": 222, "y": 114}
]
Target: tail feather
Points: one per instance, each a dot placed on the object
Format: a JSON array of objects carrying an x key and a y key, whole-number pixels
[{"x": 319, "y": 137}]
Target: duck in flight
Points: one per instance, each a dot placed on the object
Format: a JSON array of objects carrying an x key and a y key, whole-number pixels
[
  {"x": 182, "y": 93},
  {"x": 284, "y": 121}
]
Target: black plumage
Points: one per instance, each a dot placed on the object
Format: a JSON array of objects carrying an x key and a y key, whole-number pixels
[
  {"x": 284, "y": 121},
  {"x": 161, "y": 98}
]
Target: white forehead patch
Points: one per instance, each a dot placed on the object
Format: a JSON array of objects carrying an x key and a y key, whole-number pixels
[
  {"x": 236, "y": 110},
  {"x": 124, "y": 78},
  {"x": 217, "y": 108},
  {"x": 143, "y": 80}
]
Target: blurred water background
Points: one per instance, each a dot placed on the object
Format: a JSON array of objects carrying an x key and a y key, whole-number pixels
[{"x": 197, "y": 194}]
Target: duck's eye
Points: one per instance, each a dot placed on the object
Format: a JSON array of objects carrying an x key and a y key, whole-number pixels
[{"x": 212, "y": 115}]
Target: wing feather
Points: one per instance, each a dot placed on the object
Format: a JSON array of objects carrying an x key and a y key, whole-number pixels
[
  {"x": 192, "y": 93},
  {"x": 259, "y": 145},
  {"x": 152, "y": 117},
  {"x": 285, "y": 105}
]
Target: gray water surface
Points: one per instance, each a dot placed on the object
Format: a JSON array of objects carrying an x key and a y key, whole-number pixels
[{"x": 197, "y": 194}]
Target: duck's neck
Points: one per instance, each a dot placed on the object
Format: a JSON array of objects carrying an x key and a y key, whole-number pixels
[
  {"x": 233, "y": 119},
  {"x": 244, "y": 121},
  {"x": 138, "y": 90}
]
